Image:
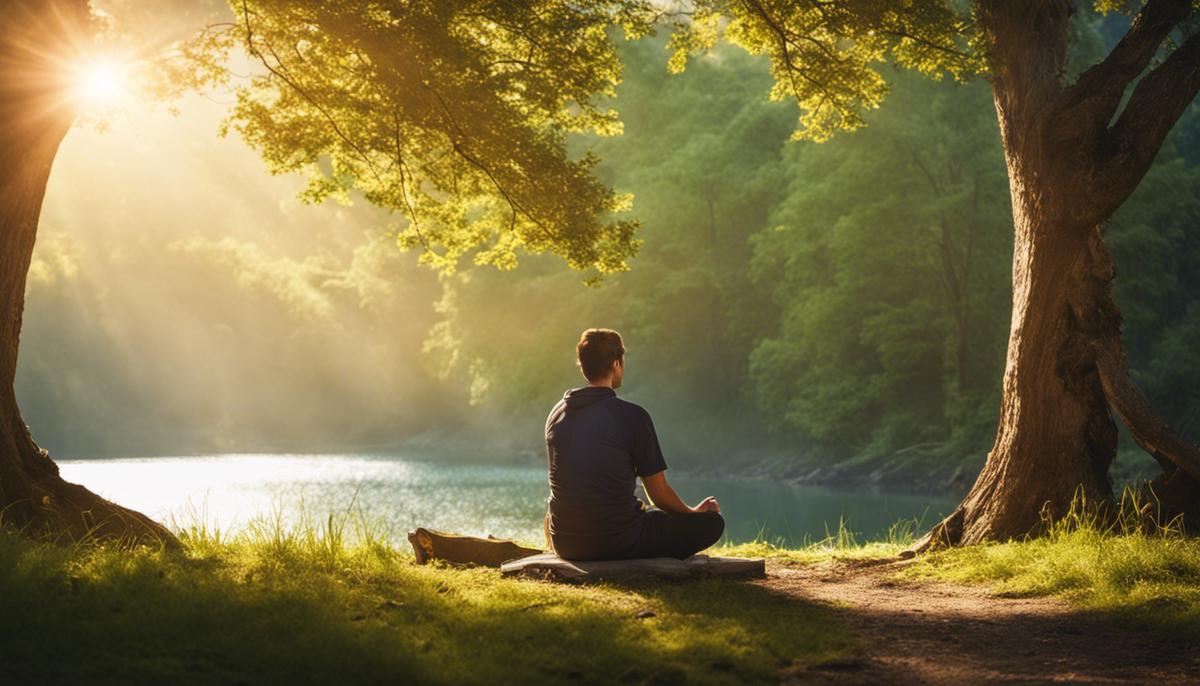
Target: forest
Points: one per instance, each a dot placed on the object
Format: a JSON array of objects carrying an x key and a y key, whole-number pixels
[{"x": 831, "y": 312}]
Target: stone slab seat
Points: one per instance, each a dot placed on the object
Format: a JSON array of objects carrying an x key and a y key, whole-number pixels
[{"x": 549, "y": 565}]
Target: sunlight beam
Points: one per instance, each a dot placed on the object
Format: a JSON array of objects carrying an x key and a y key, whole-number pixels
[{"x": 100, "y": 83}]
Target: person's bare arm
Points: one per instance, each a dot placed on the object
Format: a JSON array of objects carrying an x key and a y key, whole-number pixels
[{"x": 665, "y": 498}]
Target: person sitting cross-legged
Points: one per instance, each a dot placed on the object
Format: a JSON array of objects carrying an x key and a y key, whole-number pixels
[{"x": 597, "y": 446}]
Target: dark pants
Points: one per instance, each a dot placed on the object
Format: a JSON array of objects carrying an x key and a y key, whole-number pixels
[
  {"x": 676, "y": 535},
  {"x": 663, "y": 535}
]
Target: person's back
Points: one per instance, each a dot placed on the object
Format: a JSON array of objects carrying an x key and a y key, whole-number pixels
[{"x": 597, "y": 446}]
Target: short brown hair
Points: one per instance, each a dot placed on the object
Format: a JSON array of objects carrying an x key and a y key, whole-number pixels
[{"x": 597, "y": 350}]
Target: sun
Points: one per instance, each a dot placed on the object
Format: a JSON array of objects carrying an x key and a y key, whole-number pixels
[{"x": 101, "y": 82}]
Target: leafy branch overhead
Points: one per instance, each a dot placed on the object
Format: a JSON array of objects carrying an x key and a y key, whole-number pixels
[
  {"x": 453, "y": 115},
  {"x": 826, "y": 54}
]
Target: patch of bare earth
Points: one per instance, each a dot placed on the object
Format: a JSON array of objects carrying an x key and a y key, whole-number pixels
[{"x": 928, "y": 632}]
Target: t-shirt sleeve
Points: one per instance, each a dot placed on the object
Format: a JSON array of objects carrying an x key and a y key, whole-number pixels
[{"x": 647, "y": 454}]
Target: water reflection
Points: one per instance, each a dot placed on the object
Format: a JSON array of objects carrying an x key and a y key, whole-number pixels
[{"x": 228, "y": 491}]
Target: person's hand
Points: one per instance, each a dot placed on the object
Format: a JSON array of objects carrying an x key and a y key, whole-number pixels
[{"x": 709, "y": 504}]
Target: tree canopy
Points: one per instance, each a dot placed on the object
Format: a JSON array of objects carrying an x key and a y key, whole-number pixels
[
  {"x": 827, "y": 56},
  {"x": 452, "y": 115}
]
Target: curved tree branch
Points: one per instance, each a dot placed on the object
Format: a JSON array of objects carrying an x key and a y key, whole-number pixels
[
  {"x": 1145, "y": 425},
  {"x": 1157, "y": 102},
  {"x": 456, "y": 142},
  {"x": 1097, "y": 92},
  {"x": 790, "y": 66}
]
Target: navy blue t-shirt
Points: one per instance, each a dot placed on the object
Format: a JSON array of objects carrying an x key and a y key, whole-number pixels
[{"x": 597, "y": 445}]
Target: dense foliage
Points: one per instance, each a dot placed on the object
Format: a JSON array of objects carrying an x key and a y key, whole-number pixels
[
  {"x": 827, "y": 57},
  {"x": 847, "y": 301},
  {"x": 814, "y": 304},
  {"x": 453, "y": 116}
]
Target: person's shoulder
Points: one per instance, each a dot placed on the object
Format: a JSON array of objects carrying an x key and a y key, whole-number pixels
[
  {"x": 628, "y": 403},
  {"x": 555, "y": 411},
  {"x": 630, "y": 408},
  {"x": 559, "y": 408}
]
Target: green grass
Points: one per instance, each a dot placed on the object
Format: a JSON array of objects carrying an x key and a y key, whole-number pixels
[
  {"x": 1132, "y": 569},
  {"x": 840, "y": 544},
  {"x": 329, "y": 602}
]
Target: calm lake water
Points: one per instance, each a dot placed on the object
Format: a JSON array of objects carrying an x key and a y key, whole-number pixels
[{"x": 229, "y": 491}]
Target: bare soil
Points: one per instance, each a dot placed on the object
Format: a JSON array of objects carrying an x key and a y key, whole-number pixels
[{"x": 928, "y": 632}]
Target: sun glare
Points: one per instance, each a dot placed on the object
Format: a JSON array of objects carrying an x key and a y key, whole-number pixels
[{"x": 100, "y": 82}]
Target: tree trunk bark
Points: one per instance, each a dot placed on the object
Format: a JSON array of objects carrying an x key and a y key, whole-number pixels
[
  {"x": 1069, "y": 171},
  {"x": 35, "y": 115},
  {"x": 1056, "y": 439}
]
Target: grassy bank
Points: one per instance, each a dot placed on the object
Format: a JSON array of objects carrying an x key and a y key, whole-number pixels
[
  {"x": 327, "y": 603},
  {"x": 1131, "y": 570},
  {"x": 307, "y": 606}
]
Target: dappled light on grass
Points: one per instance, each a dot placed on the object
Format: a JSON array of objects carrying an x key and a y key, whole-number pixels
[
  {"x": 1132, "y": 566},
  {"x": 325, "y": 600}
]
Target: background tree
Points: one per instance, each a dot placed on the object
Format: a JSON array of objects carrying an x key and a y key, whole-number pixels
[
  {"x": 41, "y": 42},
  {"x": 1075, "y": 151},
  {"x": 835, "y": 269},
  {"x": 838, "y": 325},
  {"x": 887, "y": 260}
]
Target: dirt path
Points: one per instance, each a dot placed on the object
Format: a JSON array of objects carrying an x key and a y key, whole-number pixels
[{"x": 940, "y": 633}]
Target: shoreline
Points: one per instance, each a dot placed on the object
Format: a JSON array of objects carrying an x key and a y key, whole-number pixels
[{"x": 838, "y": 477}]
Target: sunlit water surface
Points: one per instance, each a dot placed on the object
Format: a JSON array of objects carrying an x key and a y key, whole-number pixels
[{"x": 229, "y": 491}]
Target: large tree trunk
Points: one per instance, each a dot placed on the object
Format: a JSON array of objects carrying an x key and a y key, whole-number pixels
[
  {"x": 40, "y": 39},
  {"x": 1055, "y": 435},
  {"x": 1056, "y": 439},
  {"x": 1070, "y": 167}
]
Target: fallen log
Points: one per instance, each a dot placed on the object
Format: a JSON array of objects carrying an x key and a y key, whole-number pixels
[{"x": 490, "y": 552}]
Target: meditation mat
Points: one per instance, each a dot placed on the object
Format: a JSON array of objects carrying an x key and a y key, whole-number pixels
[{"x": 549, "y": 565}]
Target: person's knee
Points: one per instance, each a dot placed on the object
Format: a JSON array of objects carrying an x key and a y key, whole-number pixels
[{"x": 714, "y": 527}]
